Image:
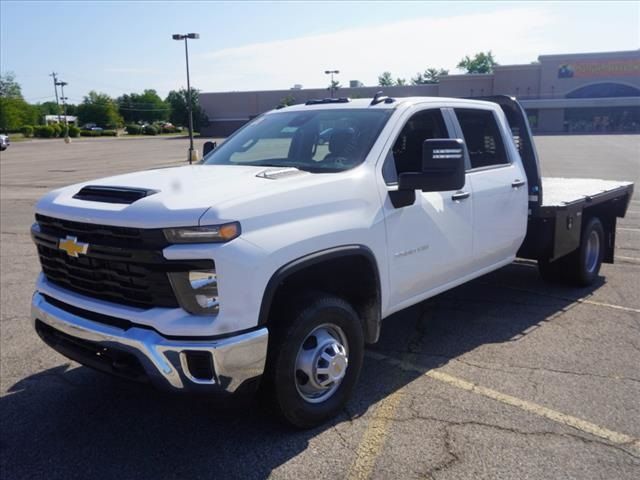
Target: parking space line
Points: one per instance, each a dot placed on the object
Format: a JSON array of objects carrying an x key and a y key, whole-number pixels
[
  {"x": 374, "y": 438},
  {"x": 531, "y": 407},
  {"x": 574, "y": 300},
  {"x": 626, "y": 229},
  {"x": 628, "y": 259}
]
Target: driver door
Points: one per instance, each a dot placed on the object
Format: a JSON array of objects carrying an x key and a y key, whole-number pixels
[{"x": 429, "y": 241}]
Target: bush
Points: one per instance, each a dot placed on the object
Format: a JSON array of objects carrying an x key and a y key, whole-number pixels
[
  {"x": 90, "y": 133},
  {"x": 56, "y": 129},
  {"x": 44, "y": 131},
  {"x": 150, "y": 130},
  {"x": 27, "y": 131},
  {"x": 109, "y": 133},
  {"x": 168, "y": 129},
  {"x": 134, "y": 129},
  {"x": 74, "y": 131}
]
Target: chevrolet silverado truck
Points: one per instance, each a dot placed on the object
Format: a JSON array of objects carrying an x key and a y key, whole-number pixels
[{"x": 272, "y": 262}]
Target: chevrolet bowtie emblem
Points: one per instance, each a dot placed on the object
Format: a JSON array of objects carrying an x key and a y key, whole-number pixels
[{"x": 72, "y": 246}]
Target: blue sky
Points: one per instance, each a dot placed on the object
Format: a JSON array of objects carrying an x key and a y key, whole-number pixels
[{"x": 121, "y": 46}]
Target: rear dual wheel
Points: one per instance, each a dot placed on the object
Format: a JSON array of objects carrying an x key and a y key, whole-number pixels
[{"x": 582, "y": 266}]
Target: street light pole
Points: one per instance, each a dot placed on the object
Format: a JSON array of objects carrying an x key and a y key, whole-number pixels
[
  {"x": 331, "y": 72},
  {"x": 192, "y": 153}
]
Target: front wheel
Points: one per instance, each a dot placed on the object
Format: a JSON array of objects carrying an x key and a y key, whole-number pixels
[{"x": 315, "y": 360}]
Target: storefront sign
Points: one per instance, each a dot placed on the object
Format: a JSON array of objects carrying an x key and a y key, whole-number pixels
[{"x": 600, "y": 68}]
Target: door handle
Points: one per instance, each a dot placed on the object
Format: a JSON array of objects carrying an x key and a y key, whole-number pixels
[
  {"x": 518, "y": 183},
  {"x": 456, "y": 197}
]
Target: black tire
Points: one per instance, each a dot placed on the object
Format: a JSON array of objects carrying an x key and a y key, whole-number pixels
[
  {"x": 286, "y": 340},
  {"x": 583, "y": 268},
  {"x": 580, "y": 267}
]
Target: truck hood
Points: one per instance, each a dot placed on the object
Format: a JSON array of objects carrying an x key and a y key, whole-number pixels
[{"x": 181, "y": 195}]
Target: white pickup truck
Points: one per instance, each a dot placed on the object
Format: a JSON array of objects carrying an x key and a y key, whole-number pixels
[{"x": 273, "y": 261}]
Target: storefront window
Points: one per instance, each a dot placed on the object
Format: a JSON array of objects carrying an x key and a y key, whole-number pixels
[{"x": 602, "y": 119}]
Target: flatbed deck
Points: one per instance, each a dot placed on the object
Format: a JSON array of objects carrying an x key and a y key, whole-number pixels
[{"x": 562, "y": 192}]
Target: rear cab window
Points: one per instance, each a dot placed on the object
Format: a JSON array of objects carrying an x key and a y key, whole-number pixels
[{"x": 482, "y": 137}]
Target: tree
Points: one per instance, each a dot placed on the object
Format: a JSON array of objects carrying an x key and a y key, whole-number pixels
[
  {"x": 385, "y": 79},
  {"x": 429, "y": 76},
  {"x": 334, "y": 85},
  {"x": 14, "y": 111},
  {"x": 177, "y": 100},
  {"x": 286, "y": 101},
  {"x": 100, "y": 109},
  {"x": 145, "y": 107},
  {"x": 401, "y": 82},
  {"x": 480, "y": 63},
  {"x": 9, "y": 88}
]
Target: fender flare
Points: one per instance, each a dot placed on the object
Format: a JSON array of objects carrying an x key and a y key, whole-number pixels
[{"x": 371, "y": 325}]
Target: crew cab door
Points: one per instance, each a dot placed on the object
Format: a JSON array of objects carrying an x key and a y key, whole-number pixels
[
  {"x": 498, "y": 179},
  {"x": 429, "y": 235}
]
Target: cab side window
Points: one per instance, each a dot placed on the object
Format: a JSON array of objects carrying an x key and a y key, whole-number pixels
[
  {"x": 406, "y": 153},
  {"x": 482, "y": 137}
]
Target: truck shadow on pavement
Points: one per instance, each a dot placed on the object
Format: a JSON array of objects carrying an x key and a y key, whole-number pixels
[{"x": 71, "y": 422}]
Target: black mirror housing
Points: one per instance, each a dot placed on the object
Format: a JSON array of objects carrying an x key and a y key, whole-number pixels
[
  {"x": 443, "y": 167},
  {"x": 208, "y": 146}
]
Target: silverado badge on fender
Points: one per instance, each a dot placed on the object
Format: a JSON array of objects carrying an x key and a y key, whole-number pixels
[{"x": 72, "y": 246}]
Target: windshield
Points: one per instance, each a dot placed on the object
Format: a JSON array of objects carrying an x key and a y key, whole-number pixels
[{"x": 317, "y": 141}]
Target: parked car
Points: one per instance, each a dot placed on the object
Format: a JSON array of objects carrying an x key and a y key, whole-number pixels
[
  {"x": 4, "y": 142},
  {"x": 274, "y": 264}
]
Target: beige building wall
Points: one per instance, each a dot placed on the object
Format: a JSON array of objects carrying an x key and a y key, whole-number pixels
[{"x": 541, "y": 86}]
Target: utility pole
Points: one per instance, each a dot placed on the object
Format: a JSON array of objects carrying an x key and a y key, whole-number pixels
[
  {"x": 55, "y": 87},
  {"x": 193, "y": 154},
  {"x": 64, "y": 107}
]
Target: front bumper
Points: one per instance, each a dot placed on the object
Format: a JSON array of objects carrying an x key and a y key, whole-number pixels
[{"x": 143, "y": 354}]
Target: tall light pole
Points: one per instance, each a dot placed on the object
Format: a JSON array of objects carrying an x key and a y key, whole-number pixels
[
  {"x": 193, "y": 154},
  {"x": 331, "y": 72}
]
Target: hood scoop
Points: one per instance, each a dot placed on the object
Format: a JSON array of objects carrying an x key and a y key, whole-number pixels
[
  {"x": 278, "y": 172},
  {"x": 106, "y": 194}
]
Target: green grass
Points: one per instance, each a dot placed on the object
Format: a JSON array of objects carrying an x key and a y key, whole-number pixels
[{"x": 17, "y": 137}]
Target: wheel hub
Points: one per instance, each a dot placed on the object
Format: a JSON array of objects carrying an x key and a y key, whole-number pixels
[
  {"x": 592, "y": 253},
  {"x": 321, "y": 363}
]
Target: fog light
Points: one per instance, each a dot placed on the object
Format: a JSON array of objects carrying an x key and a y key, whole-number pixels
[{"x": 196, "y": 291}]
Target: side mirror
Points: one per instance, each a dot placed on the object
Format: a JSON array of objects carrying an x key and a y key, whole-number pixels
[
  {"x": 442, "y": 167},
  {"x": 208, "y": 147}
]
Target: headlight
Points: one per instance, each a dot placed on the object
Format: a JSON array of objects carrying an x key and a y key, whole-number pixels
[
  {"x": 213, "y": 233},
  {"x": 196, "y": 291}
]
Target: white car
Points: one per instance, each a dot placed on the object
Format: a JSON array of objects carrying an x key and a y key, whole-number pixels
[
  {"x": 274, "y": 261},
  {"x": 4, "y": 142}
]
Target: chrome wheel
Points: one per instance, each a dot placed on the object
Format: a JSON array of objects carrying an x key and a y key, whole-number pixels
[
  {"x": 321, "y": 363},
  {"x": 592, "y": 251}
]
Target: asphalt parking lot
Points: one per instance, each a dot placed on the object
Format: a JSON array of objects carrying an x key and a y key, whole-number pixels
[{"x": 505, "y": 377}]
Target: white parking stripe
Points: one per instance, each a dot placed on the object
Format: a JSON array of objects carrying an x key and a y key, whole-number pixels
[
  {"x": 574, "y": 300},
  {"x": 531, "y": 407},
  {"x": 625, "y": 229},
  {"x": 628, "y": 259}
]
